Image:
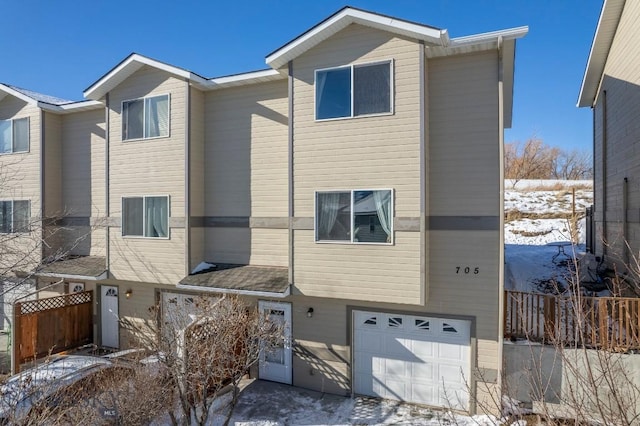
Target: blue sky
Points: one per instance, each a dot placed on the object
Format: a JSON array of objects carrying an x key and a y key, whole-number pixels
[{"x": 61, "y": 47}]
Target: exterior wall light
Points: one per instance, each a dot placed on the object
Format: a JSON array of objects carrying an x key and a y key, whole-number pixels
[
  {"x": 128, "y": 293},
  {"x": 309, "y": 312}
]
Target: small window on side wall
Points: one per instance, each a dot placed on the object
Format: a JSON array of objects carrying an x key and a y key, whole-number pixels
[
  {"x": 360, "y": 216},
  {"x": 354, "y": 90},
  {"x": 146, "y": 217},
  {"x": 15, "y": 216},
  {"x": 145, "y": 118},
  {"x": 14, "y": 136}
]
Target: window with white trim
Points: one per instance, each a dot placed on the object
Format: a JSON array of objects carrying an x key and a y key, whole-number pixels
[
  {"x": 354, "y": 90},
  {"x": 358, "y": 216},
  {"x": 14, "y": 216},
  {"x": 145, "y": 216},
  {"x": 14, "y": 136},
  {"x": 145, "y": 118}
]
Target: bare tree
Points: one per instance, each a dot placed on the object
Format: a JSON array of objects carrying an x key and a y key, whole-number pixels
[{"x": 205, "y": 351}]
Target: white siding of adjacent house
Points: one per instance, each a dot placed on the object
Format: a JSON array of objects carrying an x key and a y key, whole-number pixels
[{"x": 148, "y": 167}]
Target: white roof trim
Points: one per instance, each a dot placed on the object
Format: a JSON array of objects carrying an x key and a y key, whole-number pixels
[
  {"x": 245, "y": 78},
  {"x": 232, "y": 291},
  {"x": 349, "y": 16},
  {"x": 102, "y": 276},
  {"x": 9, "y": 91},
  {"x": 602, "y": 40},
  {"x": 71, "y": 107},
  {"x": 132, "y": 64},
  {"x": 508, "y": 34}
]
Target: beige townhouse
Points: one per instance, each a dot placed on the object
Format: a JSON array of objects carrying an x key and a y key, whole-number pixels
[{"x": 352, "y": 191}]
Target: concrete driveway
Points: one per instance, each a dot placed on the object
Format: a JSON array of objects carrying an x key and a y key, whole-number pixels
[{"x": 269, "y": 404}]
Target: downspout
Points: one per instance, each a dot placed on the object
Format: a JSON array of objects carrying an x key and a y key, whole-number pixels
[
  {"x": 291, "y": 174},
  {"x": 501, "y": 263},
  {"x": 604, "y": 173},
  {"x": 625, "y": 226},
  {"x": 187, "y": 183},
  {"x": 42, "y": 186},
  {"x": 107, "y": 136}
]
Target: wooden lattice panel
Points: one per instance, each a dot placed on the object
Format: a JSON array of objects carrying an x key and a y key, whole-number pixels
[{"x": 40, "y": 305}]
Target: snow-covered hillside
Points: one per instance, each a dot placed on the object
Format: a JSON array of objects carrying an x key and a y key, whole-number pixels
[{"x": 537, "y": 222}]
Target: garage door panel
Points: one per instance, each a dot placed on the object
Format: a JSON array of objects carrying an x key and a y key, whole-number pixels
[{"x": 407, "y": 357}]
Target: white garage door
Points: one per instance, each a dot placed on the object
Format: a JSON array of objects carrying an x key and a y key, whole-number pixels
[{"x": 411, "y": 358}]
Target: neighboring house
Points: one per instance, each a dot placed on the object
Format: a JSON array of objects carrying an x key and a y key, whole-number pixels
[
  {"x": 611, "y": 88},
  {"x": 353, "y": 192}
]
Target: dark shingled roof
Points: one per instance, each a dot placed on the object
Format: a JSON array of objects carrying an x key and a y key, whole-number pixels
[
  {"x": 85, "y": 266},
  {"x": 234, "y": 278}
]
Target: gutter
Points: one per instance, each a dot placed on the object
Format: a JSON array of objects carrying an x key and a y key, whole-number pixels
[{"x": 269, "y": 294}]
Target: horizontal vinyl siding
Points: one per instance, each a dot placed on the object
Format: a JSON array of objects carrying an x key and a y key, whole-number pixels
[
  {"x": 197, "y": 172},
  {"x": 464, "y": 136},
  {"x": 20, "y": 180},
  {"x": 364, "y": 152},
  {"x": 228, "y": 245},
  {"x": 269, "y": 247},
  {"x": 148, "y": 167},
  {"x": 621, "y": 81},
  {"x": 246, "y": 151},
  {"x": 53, "y": 165},
  {"x": 359, "y": 153},
  {"x": 360, "y": 272}
]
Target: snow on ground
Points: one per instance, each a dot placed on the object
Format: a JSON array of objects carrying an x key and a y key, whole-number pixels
[{"x": 532, "y": 256}]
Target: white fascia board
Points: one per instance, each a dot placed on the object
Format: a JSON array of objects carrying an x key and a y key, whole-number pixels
[
  {"x": 270, "y": 294},
  {"x": 9, "y": 91},
  {"x": 602, "y": 40},
  {"x": 508, "y": 34},
  {"x": 71, "y": 107},
  {"x": 131, "y": 65},
  {"x": 348, "y": 16},
  {"x": 100, "y": 277},
  {"x": 244, "y": 79}
]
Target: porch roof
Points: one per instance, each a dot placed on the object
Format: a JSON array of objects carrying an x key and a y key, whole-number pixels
[
  {"x": 90, "y": 268},
  {"x": 240, "y": 279}
]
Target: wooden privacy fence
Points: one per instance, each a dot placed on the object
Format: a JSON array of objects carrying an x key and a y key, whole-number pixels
[
  {"x": 609, "y": 323},
  {"x": 52, "y": 325}
]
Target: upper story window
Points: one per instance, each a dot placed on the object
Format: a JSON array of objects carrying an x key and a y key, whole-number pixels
[
  {"x": 354, "y": 90},
  {"x": 145, "y": 118},
  {"x": 14, "y": 136},
  {"x": 361, "y": 216},
  {"x": 15, "y": 216},
  {"x": 145, "y": 217}
]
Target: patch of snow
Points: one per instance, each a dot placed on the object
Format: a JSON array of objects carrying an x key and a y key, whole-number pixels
[{"x": 201, "y": 267}]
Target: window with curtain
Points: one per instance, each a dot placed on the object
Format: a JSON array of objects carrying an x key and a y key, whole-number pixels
[
  {"x": 353, "y": 91},
  {"x": 145, "y": 118},
  {"x": 359, "y": 216},
  {"x": 145, "y": 217},
  {"x": 14, "y": 136},
  {"x": 15, "y": 216}
]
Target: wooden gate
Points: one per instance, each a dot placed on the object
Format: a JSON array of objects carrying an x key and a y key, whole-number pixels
[{"x": 51, "y": 325}]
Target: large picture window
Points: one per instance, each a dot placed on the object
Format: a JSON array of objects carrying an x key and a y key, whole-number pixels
[
  {"x": 360, "y": 216},
  {"x": 353, "y": 91},
  {"x": 145, "y": 217},
  {"x": 14, "y": 136},
  {"x": 14, "y": 216},
  {"x": 145, "y": 118}
]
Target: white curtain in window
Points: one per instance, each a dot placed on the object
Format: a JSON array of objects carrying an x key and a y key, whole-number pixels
[
  {"x": 328, "y": 204},
  {"x": 5, "y": 136},
  {"x": 383, "y": 208},
  {"x": 321, "y": 80},
  {"x": 21, "y": 135},
  {"x": 157, "y": 220},
  {"x": 157, "y": 116}
]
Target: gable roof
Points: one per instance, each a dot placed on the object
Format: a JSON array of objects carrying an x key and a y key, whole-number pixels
[
  {"x": 602, "y": 40},
  {"x": 343, "y": 18},
  {"x": 46, "y": 102}
]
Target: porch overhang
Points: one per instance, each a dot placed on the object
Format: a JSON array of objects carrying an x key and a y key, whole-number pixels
[
  {"x": 262, "y": 281},
  {"x": 86, "y": 268}
]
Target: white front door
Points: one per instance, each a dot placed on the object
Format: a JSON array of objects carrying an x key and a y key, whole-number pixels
[
  {"x": 109, "y": 316},
  {"x": 275, "y": 364}
]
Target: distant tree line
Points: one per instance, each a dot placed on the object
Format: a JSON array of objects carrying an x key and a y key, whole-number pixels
[{"x": 534, "y": 159}]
